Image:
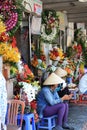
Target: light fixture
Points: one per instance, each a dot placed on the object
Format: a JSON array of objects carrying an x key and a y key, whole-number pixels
[{"x": 82, "y": 0}]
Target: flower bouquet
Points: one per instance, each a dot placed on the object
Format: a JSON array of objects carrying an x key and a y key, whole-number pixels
[
  {"x": 10, "y": 55},
  {"x": 36, "y": 86},
  {"x": 38, "y": 63},
  {"x": 42, "y": 56},
  {"x": 56, "y": 54},
  {"x": 25, "y": 74},
  {"x": 34, "y": 61}
]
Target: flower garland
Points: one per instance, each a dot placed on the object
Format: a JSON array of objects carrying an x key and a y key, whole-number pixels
[
  {"x": 50, "y": 26},
  {"x": 11, "y": 12},
  {"x": 51, "y": 36}
]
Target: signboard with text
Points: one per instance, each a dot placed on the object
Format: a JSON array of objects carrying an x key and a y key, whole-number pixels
[{"x": 34, "y": 6}]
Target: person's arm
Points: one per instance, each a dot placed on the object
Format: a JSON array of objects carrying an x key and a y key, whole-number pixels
[{"x": 66, "y": 97}]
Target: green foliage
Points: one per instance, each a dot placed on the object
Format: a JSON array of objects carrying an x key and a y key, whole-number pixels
[{"x": 47, "y": 14}]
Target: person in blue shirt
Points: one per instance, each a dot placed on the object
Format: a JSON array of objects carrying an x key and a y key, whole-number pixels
[{"x": 49, "y": 103}]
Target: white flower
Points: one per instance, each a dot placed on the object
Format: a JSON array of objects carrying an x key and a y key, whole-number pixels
[{"x": 49, "y": 37}]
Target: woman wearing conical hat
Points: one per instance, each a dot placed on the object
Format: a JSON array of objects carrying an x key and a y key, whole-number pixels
[
  {"x": 49, "y": 103},
  {"x": 62, "y": 89}
]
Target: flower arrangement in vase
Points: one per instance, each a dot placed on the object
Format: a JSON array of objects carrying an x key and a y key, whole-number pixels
[
  {"x": 56, "y": 54},
  {"x": 38, "y": 63}
]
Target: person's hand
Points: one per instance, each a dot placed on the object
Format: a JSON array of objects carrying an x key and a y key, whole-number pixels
[
  {"x": 66, "y": 97},
  {"x": 70, "y": 96}
]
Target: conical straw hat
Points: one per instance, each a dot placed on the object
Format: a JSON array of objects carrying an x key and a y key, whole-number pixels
[
  {"x": 53, "y": 79},
  {"x": 60, "y": 72}
]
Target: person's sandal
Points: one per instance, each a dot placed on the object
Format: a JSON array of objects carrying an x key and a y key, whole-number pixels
[
  {"x": 58, "y": 127},
  {"x": 66, "y": 126}
]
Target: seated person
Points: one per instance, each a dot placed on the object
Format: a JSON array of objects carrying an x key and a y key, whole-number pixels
[
  {"x": 62, "y": 91},
  {"x": 49, "y": 103},
  {"x": 62, "y": 88},
  {"x": 83, "y": 82}
]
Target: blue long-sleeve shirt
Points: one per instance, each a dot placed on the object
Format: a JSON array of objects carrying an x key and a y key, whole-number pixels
[{"x": 46, "y": 97}]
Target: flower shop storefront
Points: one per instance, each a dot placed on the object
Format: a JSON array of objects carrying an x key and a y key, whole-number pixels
[
  {"x": 26, "y": 51},
  {"x": 48, "y": 51},
  {"x": 20, "y": 80}
]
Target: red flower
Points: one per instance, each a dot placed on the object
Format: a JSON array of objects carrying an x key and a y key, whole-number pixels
[
  {"x": 42, "y": 57},
  {"x": 4, "y": 37},
  {"x": 75, "y": 47},
  {"x": 33, "y": 104},
  {"x": 13, "y": 42},
  {"x": 27, "y": 70},
  {"x": 35, "y": 57},
  {"x": 79, "y": 48}
]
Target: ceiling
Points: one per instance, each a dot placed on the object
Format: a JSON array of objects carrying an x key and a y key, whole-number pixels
[{"x": 76, "y": 11}]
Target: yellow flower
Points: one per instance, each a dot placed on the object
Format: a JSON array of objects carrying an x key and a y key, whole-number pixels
[
  {"x": 60, "y": 51},
  {"x": 9, "y": 54},
  {"x": 2, "y": 27}
]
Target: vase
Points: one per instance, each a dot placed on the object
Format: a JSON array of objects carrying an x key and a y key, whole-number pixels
[
  {"x": 55, "y": 62},
  {"x": 40, "y": 72},
  {"x": 69, "y": 80},
  {"x": 6, "y": 71}
]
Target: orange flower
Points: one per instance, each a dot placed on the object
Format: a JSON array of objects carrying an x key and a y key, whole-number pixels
[
  {"x": 69, "y": 71},
  {"x": 13, "y": 42},
  {"x": 34, "y": 61}
]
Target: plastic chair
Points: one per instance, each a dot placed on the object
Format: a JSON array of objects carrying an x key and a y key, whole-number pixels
[
  {"x": 47, "y": 123},
  {"x": 29, "y": 121},
  {"x": 82, "y": 98},
  {"x": 12, "y": 114}
]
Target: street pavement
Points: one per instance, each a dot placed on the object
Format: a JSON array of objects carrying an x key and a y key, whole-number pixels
[{"x": 78, "y": 116}]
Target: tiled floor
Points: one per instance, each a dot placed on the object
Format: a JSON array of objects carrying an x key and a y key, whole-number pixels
[{"x": 78, "y": 116}]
